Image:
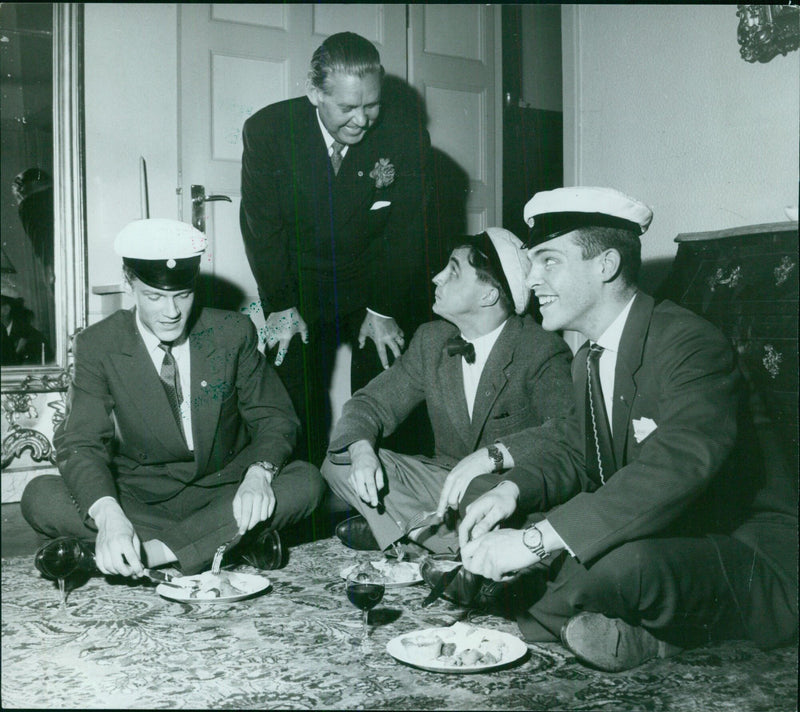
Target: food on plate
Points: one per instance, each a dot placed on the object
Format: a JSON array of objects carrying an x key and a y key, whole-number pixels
[
  {"x": 206, "y": 586},
  {"x": 393, "y": 572},
  {"x": 459, "y": 645}
]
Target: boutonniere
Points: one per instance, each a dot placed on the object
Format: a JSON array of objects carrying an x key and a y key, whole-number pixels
[{"x": 383, "y": 173}]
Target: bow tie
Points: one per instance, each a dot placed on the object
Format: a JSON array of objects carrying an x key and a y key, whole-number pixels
[{"x": 459, "y": 346}]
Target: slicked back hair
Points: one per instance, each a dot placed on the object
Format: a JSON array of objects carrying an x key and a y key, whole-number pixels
[
  {"x": 593, "y": 240},
  {"x": 345, "y": 53}
]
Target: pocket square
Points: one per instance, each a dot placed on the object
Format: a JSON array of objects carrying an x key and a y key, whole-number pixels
[
  {"x": 378, "y": 204},
  {"x": 642, "y": 428}
]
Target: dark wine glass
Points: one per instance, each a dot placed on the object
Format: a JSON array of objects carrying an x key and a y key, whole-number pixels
[
  {"x": 365, "y": 591},
  {"x": 58, "y": 559}
]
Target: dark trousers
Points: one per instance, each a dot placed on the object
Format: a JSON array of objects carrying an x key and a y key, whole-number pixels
[
  {"x": 685, "y": 590},
  {"x": 306, "y": 373},
  {"x": 192, "y": 524}
]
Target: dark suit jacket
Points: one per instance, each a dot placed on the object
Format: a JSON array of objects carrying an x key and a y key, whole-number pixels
[
  {"x": 525, "y": 384},
  {"x": 311, "y": 237},
  {"x": 678, "y": 370},
  {"x": 119, "y": 428}
]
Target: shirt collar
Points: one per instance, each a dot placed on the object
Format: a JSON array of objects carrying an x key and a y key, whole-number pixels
[
  {"x": 325, "y": 134},
  {"x": 610, "y": 338},
  {"x": 484, "y": 344}
]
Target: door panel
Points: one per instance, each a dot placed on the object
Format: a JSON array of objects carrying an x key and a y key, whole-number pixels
[{"x": 456, "y": 74}]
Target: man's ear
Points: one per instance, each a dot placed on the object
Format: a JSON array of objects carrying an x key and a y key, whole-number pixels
[
  {"x": 610, "y": 264},
  {"x": 312, "y": 93},
  {"x": 490, "y": 297}
]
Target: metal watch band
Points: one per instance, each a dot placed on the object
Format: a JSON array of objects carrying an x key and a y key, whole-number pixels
[
  {"x": 532, "y": 538},
  {"x": 269, "y": 467},
  {"x": 497, "y": 457}
]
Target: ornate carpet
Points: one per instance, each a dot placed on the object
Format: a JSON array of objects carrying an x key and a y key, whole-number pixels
[{"x": 120, "y": 645}]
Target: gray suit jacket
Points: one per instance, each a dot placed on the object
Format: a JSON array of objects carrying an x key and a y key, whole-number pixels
[
  {"x": 525, "y": 384},
  {"x": 119, "y": 429}
]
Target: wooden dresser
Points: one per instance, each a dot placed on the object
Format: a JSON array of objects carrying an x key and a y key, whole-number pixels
[{"x": 745, "y": 281}]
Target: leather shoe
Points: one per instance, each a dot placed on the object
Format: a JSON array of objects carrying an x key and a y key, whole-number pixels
[
  {"x": 611, "y": 644},
  {"x": 264, "y": 551},
  {"x": 60, "y": 557},
  {"x": 355, "y": 533}
]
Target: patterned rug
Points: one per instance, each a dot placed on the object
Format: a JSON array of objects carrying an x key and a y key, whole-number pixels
[{"x": 121, "y": 645}]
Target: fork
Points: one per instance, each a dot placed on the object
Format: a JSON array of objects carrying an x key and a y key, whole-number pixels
[
  {"x": 420, "y": 519},
  {"x": 222, "y": 549}
]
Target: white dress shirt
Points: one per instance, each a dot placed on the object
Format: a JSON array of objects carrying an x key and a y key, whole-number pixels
[
  {"x": 182, "y": 357},
  {"x": 472, "y": 371},
  {"x": 609, "y": 340}
]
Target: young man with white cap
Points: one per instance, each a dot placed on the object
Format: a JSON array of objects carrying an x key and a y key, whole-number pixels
[
  {"x": 665, "y": 541},
  {"x": 486, "y": 371},
  {"x": 178, "y": 434}
]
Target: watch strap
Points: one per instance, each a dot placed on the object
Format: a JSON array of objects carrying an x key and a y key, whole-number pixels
[{"x": 532, "y": 538}]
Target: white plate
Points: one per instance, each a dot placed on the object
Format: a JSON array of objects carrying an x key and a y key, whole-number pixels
[
  {"x": 250, "y": 584},
  {"x": 399, "y": 574},
  {"x": 464, "y": 635}
]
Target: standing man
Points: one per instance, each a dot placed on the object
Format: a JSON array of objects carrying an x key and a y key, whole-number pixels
[
  {"x": 491, "y": 379},
  {"x": 334, "y": 195},
  {"x": 666, "y": 543},
  {"x": 178, "y": 435}
]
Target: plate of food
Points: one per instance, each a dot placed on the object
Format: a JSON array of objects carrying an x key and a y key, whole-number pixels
[
  {"x": 459, "y": 648},
  {"x": 216, "y": 588},
  {"x": 395, "y": 573}
]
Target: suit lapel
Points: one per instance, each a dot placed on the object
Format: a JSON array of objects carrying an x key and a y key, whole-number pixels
[
  {"x": 137, "y": 376},
  {"x": 353, "y": 187},
  {"x": 206, "y": 399},
  {"x": 629, "y": 359},
  {"x": 494, "y": 377}
]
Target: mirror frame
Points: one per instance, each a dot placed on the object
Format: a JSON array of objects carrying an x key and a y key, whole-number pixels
[{"x": 69, "y": 231}]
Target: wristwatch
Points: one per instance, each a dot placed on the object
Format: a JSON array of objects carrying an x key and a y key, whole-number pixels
[
  {"x": 271, "y": 469},
  {"x": 496, "y": 456},
  {"x": 532, "y": 538}
]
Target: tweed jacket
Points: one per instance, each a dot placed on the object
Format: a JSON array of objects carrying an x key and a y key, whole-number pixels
[
  {"x": 524, "y": 385},
  {"x": 119, "y": 428},
  {"x": 332, "y": 244},
  {"x": 676, "y": 407}
]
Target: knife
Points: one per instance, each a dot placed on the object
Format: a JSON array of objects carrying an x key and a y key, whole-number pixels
[
  {"x": 444, "y": 582},
  {"x": 160, "y": 577}
]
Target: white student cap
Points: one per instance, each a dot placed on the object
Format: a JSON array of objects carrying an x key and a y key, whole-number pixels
[
  {"x": 162, "y": 253},
  {"x": 551, "y": 213}
]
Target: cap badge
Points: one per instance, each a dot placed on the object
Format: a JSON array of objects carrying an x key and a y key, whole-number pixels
[{"x": 171, "y": 263}]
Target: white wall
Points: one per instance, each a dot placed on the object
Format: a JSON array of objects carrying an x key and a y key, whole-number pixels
[
  {"x": 659, "y": 104},
  {"x": 131, "y": 110}
]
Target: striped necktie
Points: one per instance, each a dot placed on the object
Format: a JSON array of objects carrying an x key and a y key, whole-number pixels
[
  {"x": 336, "y": 156},
  {"x": 600, "y": 463},
  {"x": 170, "y": 379}
]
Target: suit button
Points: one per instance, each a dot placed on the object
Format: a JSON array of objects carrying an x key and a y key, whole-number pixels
[{"x": 361, "y": 174}]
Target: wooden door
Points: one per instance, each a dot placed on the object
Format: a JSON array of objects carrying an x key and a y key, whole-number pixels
[{"x": 453, "y": 64}]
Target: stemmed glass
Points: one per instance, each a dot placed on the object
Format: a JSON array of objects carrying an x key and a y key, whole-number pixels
[
  {"x": 365, "y": 590},
  {"x": 58, "y": 560}
]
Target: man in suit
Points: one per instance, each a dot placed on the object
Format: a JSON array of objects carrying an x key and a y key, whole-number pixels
[
  {"x": 334, "y": 193},
  {"x": 178, "y": 434},
  {"x": 656, "y": 537},
  {"x": 491, "y": 379}
]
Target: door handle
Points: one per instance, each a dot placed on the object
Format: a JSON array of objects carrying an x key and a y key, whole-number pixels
[{"x": 199, "y": 200}]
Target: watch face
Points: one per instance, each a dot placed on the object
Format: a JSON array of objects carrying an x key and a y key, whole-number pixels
[{"x": 532, "y": 538}]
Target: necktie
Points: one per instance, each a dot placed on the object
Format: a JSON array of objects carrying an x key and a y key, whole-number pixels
[
  {"x": 171, "y": 381},
  {"x": 600, "y": 462},
  {"x": 336, "y": 156},
  {"x": 458, "y": 346}
]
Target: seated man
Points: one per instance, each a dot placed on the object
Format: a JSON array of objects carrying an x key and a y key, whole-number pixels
[
  {"x": 178, "y": 433},
  {"x": 656, "y": 538},
  {"x": 486, "y": 373}
]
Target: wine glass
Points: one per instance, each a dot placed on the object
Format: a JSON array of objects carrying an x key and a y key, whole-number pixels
[
  {"x": 58, "y": 559},
  {"x": 365, "y": 590}
]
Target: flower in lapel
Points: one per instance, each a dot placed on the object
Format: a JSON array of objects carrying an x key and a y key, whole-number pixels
[{"x": 383, "y": 173}]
